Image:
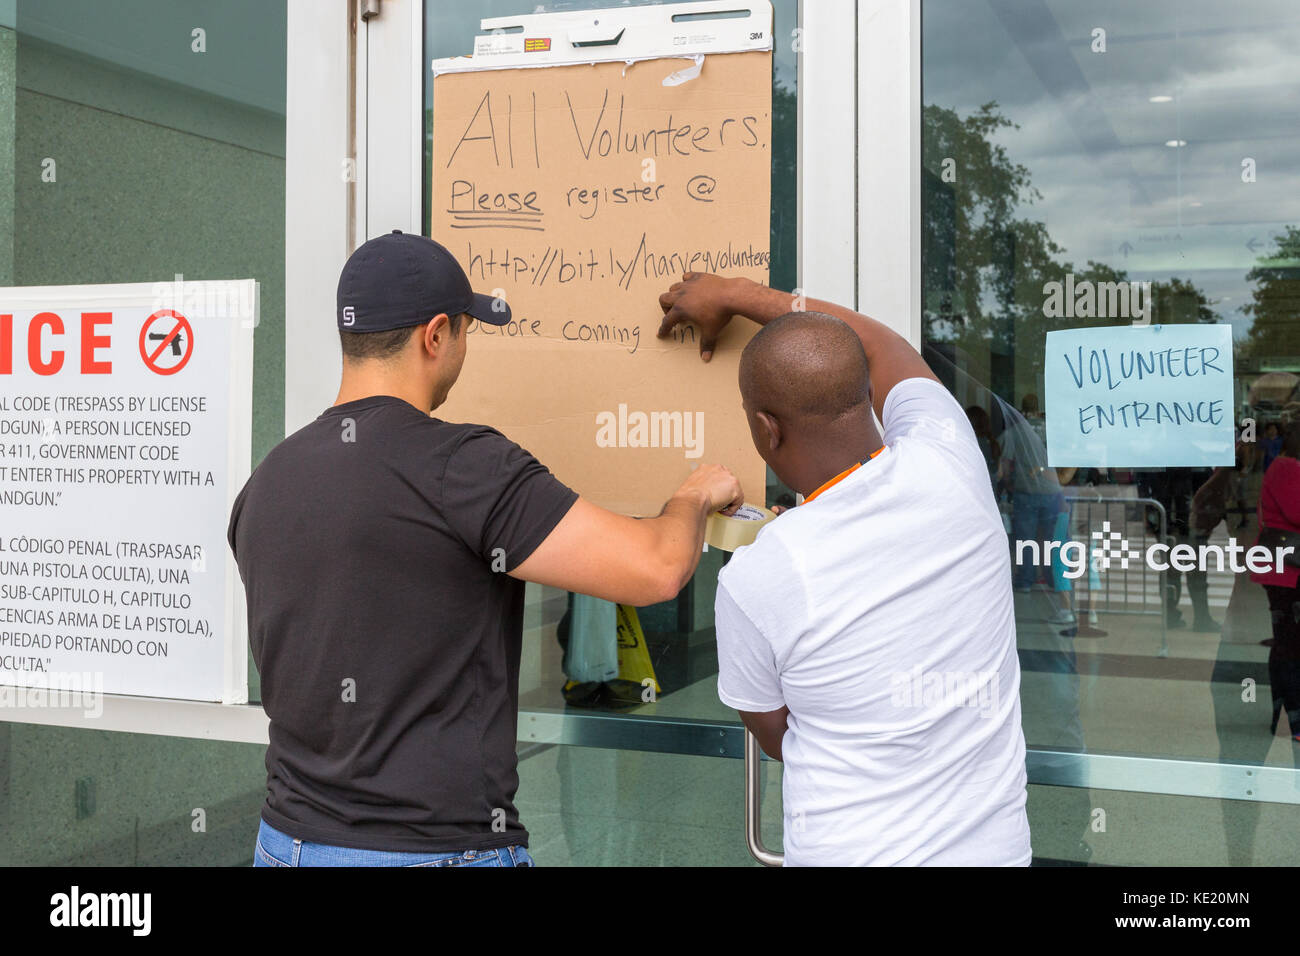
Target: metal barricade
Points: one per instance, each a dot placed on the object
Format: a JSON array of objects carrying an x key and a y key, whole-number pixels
[{"x": 1140, "y": 522}]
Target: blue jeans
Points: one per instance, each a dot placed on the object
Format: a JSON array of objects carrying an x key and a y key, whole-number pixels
[
  {"x": 279, "y": 849},
  {"x": 1033, "y": 518}
]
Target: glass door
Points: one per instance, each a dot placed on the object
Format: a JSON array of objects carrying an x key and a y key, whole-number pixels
[
  {"x": 1146, "y": 152},
  {"x": 614, "y": 772}
]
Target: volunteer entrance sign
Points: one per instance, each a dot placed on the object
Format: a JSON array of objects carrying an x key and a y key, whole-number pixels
[
  {"x": 1132, "y": 397},
  {"x": 125, "y": 433}
]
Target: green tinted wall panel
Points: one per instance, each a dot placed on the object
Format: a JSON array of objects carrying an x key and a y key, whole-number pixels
[
  {"x": 132, "y": 201},
  {"x": 149, "y": 173},
  {"x": 8, "y": 78}
]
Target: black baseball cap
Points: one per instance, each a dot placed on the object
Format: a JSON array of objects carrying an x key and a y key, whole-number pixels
[{"x": 400, "y": 280}]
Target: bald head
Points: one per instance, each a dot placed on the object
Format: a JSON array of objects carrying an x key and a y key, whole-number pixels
[{"x": 807, "y": 370}]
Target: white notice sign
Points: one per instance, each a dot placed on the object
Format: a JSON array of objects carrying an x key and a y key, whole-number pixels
[{"x": 125, "y": 423}]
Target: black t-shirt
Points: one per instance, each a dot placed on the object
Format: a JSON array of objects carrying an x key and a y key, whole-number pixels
[{"x": 374, "y": 545}]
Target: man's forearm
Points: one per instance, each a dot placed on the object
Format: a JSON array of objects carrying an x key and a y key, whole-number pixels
[
  {"x": 889, "y": 355},
  {"x": 762, "y": 304},
  {"x": 680, "y": 534}
]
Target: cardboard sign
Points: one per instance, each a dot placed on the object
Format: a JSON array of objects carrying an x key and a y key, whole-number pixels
[
  {"x": 578, "y": 194},
  {"x": 125, "y": 424},
  {"x": 1131, "y": 397}
]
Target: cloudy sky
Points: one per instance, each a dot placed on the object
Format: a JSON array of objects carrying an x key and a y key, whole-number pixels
[{"x": 1228, "y": 75}]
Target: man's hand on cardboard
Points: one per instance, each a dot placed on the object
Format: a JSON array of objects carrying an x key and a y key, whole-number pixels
[{"x": 703, "y": 299}]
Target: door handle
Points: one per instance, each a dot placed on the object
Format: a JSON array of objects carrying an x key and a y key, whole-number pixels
[{"x": 754, "y": 805}]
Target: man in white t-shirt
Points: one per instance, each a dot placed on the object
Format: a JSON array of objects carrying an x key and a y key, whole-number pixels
[{"x": 868, "y": 637}]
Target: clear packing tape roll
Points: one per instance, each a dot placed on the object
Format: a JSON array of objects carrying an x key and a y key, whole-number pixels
[{"x": 729, "y": 533}]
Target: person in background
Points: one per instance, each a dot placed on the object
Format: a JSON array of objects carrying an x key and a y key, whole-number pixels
[
  {"x": 1063, "y": 616},
  {"x": 1036, "y": 498},
  {"x": 1034, "y": 416},
  {"x": 1271, "y": 446},
  {"x": 1238, "y": 484},
  {"x": 1173, "y": 489},
  {"x": 868, "y": 636},
  {"x": 1210, "y": 503},
  {"x": 1066, "y": 615},
  {"x": 982, "y": 425},
  {"x": 1279, "y": 509}
]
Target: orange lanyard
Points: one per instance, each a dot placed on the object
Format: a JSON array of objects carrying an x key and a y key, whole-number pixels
[{"x": 842, "y": 475}]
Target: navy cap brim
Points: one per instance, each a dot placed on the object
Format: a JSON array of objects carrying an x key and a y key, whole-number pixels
[{"x": 490, "y": 310}]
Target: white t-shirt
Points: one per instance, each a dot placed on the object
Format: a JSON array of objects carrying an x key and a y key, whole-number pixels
[{"x": 881, "y": 614}]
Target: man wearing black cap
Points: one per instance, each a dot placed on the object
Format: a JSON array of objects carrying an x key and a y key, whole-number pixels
[{"x": 384, "y": 554}]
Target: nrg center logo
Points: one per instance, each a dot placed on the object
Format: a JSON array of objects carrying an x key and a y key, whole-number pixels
[{"x": 1111, "y": 547}]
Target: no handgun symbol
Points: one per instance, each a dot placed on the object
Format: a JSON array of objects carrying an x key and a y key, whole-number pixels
[{"x": 167, "y": 349}]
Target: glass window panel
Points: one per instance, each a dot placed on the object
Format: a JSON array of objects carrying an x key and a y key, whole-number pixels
[{"x": 1107, "y": 142}]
